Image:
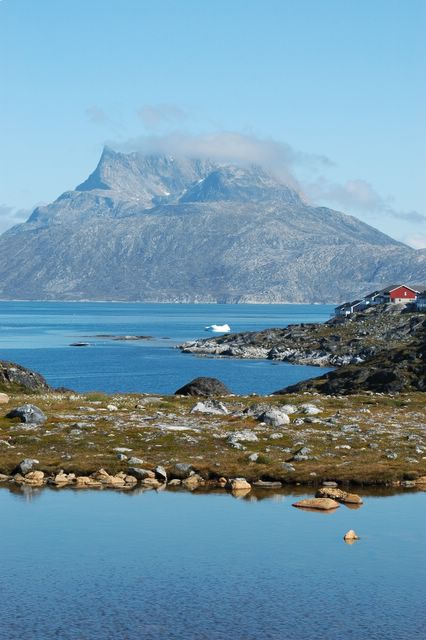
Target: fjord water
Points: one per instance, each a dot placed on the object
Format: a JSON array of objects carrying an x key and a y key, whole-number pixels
[
  {"x": 38, "y": 335},
  {"x": 166, "y": 565}
]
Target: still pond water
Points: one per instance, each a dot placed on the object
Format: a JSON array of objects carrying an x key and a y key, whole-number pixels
[
  {"x": 38, "y": 335},
  {"x": 168, "y": 566}
]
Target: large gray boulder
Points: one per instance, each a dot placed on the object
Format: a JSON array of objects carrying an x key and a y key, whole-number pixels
[
  {"x": 204, "y": 387},
  {"x": 25, "y": 466},
  {"x": 28, "y": 413}
]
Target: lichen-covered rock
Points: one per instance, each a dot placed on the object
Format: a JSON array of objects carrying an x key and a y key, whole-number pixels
[
  {"x": 28, "y": 413},
  {"x": 274, "y": 417},
  {"x": 14, "y": 377}
]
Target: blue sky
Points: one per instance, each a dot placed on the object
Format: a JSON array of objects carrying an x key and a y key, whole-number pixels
[{"x": 335, "y": 89}]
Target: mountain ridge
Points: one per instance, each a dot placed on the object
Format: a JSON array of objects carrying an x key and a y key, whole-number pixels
[{"x": 158, "y": 229}]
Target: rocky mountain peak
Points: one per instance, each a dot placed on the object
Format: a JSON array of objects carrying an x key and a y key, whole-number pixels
[{"x": 239, "y": 184}]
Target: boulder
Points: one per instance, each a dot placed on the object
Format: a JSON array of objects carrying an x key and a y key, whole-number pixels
[
  {"x": 238, "y": 484},
  {"x": 323, "y": 504},
  {"x": 62, "y": 478},
  {"x": 192, "y": 482},
  {"x": 301, "y": 454},
  {"x": 160, "y": 473},
  {"x": 4, "y": 398},
  {"x": 350, "y": 535},
  {"x": 28, "y": 413},
  {"x": 25, "y": 466},
  {"x": 140, "y": 474},
  {"x": 181, "y": 470},
  {"x": 34, "y": 478},
  {"x": 274, "y": 417},
  {"x": 310, "y": 409},
  {"x": 204, "y": 387},
  {"x": 339, "y": 495},
  {"x": 210, "y": 407},
  {"x": 134, "y": 461}
]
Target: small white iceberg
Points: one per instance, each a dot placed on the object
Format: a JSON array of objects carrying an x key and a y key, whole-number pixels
[{"x": 218, "y": 328}]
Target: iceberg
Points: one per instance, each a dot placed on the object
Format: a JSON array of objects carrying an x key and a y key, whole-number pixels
[{"x": 218, "y": 328}]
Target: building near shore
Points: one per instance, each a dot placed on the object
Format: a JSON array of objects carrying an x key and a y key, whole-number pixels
[{"x": 392, "y": 294}]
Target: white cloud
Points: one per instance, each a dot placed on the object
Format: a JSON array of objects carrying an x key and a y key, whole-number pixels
[
  {"x": 360, "y": 196},
  {"x": 230, "y": 147},
  {"x": 154, "y": 117},
  {"x": 10, "y": 216}
]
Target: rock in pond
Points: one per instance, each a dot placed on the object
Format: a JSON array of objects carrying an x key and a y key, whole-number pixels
[
  {"x": 350, "y": 536},
  {"x": 203, "y": 387},
  {"x": 238, "y": 484},
  {"x": 323, "y": 504},
  {"x": 34, "y": 478},
  {"x": 339, "y": 495},
  {"x": 28, "y": 413}
]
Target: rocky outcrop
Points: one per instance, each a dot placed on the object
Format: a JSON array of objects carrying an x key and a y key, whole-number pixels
[
  {"x": 394, "y": 370},
  {"x": 337, "y": 342},
  {"x": 204, "y": 387},
  {"x": 14, "y": 377}
]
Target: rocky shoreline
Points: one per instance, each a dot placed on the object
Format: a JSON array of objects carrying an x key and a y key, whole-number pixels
[
  {"x": 227, "y": 442},
  {"x": 338, "y": 342}
]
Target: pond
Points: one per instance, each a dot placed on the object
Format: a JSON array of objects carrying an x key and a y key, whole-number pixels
[{"x": 169, "y": 565}]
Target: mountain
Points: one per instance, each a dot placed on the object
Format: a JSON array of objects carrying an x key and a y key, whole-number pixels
[{"x": 156, "y": 228}]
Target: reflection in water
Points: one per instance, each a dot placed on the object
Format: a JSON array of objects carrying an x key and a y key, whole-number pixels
[{"x": 164, "y": 565}]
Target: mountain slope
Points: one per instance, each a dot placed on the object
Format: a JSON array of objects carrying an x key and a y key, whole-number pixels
[{"x": 156, "y": 228}]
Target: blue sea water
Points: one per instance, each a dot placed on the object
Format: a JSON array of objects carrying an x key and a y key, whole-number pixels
[
  {"x": 168, "y": 566},
  {"x": 38, "y": 335}
]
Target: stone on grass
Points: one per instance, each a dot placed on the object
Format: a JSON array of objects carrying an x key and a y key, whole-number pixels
[
  {"x": 210, "y": 407},
  {"x": 323, "y": 504},
  {"x": 181, "y": 470},
  {"x": 310, "y": 409},
  {"x": 28, "y": 413},
  {"x": 4, "y": 398},
  {"x": 135, "y": 461},
  {"x": 203, "y": 387},
  {"x": 274, "y": 417},
  {"x": 25, "y": 466}
]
